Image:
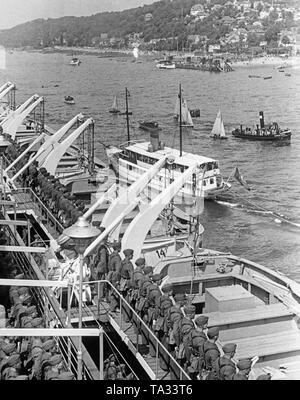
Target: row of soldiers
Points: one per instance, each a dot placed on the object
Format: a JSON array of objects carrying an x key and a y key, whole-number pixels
[
  {"x": 170, "y": 317},
  {"x": 57, "y": 197},
  {"x": 24, "y": 358},
  {"x": 32, "y": 358}
]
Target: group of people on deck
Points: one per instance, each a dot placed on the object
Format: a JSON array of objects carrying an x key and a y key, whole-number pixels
[{"x": 168, "y": 315}]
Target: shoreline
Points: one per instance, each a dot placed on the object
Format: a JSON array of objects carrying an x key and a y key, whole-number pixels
[{"x": 110, "y": 53}]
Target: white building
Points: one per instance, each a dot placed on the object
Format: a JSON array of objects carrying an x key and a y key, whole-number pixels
[{"x": 196, "y": 10}]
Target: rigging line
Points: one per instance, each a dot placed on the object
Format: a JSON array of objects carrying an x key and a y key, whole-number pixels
[{"x": 279, "y": 216}]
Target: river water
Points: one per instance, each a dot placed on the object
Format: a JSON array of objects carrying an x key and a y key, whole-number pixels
[{"x": 273, "y": 171}]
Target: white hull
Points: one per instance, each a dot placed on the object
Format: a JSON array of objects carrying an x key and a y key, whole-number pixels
[{"x": 129, "y": 173}]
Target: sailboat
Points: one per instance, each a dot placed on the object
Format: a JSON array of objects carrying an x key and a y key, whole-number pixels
[
  {"x": 115, "y": 109},
  {"x": 218, "y": 131},
  {"x": 186, "y": 119}
]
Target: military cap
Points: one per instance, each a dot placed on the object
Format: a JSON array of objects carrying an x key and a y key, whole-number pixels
[
  {"x": 116, "y": 245},
  {"x": 156, "y": 277},
  {"x": 36, "y": 322},
  {"x": 8, "y": 348},
  {"x": 148, "y": 270},
  {"x": 197, "y": 341},
  {"x": 201, "y": 320},
  {"x": 168, "y": 287},
  {"x": 51, "y": 375},
  {"x": 10, "y": 373},
  {"x": 13, "y": 360},
  {"x": 66, "y": 376},
  {"x": 213, "y": 331},
  {"x": 189, "y": 309},
  {"x": 55, "y": 360},
  {"x": 140, "y": 261},
  {"x": 244, "y": 364},
  {"x": 179, "y": 297},
  {"x": 264, "y": 377},
  {"x": 96, "y": 223},
  {"x": 36, "y": 352},
  {"x": 49, "y": 344},
  {"x": 23, "y": 290},
  {"x": 46, "y": 357},
  {"x": 37, "y": 343},
  {"x": 229, "y": 348},
  {"x": 128, "y": 252},
  {"x": 31, "y": 310}
]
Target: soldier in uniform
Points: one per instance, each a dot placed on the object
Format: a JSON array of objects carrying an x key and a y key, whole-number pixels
[
  {"x": 244, "y": 368},
  {"x": 100, "y": 268},
  {"x": 225, "y": 366},
  {"x": 182, "y": 330},
  {"x": 114, "y": 268},
  {"x": 126, "y": 271},
  {"x": 174, "y": 314},
  {"x": 197, "y": 338},
  {"x": 125, "y": 281},
  {"x": 211, "y": 353},
  {"x": 153, "y": 293}
]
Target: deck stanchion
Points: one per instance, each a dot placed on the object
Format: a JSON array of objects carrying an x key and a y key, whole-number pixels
[
  {"x": 101, "y": 355},
  {"x": 69, "y": 325},
  {"x": 156, "y": 359},
  {"x": 98, "y": 299},
  {"x": 121, "y": 312}
]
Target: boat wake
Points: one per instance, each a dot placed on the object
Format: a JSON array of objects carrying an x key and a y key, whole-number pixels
[{"x": 226, "y": 203}]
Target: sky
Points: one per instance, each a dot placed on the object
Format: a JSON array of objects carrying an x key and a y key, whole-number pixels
[{"x": 14, "y": 12}]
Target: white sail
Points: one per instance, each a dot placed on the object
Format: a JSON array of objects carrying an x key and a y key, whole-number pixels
[
  {"x": 186, "y": 115},
  {"x": 115, "y": 103},
  {"x": 176, "y": 111},
  {"x": 218, "y": 129}
]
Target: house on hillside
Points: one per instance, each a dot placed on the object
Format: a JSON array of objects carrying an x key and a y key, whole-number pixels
[
  {"x": 196, "y": 10},
  {"x": 148, "y": 17},
  {"x": 232, "y": 37},
  {"x": 227, "y": 20}
]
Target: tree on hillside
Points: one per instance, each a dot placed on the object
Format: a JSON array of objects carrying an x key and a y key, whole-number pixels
[{"x": 271, "y": 34}]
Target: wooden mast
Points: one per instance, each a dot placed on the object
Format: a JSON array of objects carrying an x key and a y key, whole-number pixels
[
  {"x": 127, "y": 114},
  {"x": 180, "y": 121}
]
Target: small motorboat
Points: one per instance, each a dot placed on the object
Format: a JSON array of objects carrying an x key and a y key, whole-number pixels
[
  {"x": 75, "y": 61},
  {"x": 195, "y": 113},
  {"x": 151, "y": 126},
  {"x": 254, "y": 76},
  {"x": 69, "y": 100},
  {"x": 287, "y": 74},
  {"x": 267, "y": 77}
]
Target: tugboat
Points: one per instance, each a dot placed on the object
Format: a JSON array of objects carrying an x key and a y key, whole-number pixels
[
  {"x": 270, "y": 132},
  {"x": 69, "y": 100},
  {"x": 151, "y": 126}
]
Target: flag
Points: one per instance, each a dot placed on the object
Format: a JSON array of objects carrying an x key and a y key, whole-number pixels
[{"x": 239, "y": 177}]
